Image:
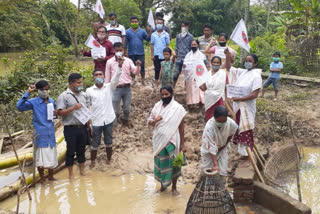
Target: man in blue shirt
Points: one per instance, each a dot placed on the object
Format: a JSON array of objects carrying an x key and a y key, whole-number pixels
[
  {"x": 134, "y": 43},
  {"x": 43, "y": 112},
  {"x": 159, "y": 41},
  {"x": 274, "y": 77}
]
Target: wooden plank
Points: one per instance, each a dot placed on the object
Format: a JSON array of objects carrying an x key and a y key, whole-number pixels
[
  {"x": 1, "y": 144},
  {"x": 296, "y": 78}
]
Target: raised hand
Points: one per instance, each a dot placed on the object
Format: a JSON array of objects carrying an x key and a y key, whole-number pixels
[{"x": 32, "y": 88}]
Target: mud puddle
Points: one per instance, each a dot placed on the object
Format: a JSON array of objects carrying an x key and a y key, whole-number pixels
[{"x": 100, "y": 192}]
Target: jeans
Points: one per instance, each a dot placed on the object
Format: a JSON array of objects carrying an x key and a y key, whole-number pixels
[
  {"x": 134, "y": 58},
  {"x": 274, "y": 81},
  {"x": 123, "y": 94},
  {"x": 107, "y": 135},
  {"x": 76, "y": 139},
  {"x": 177, "y": 71},
  {"x": 157, "y": 66}
]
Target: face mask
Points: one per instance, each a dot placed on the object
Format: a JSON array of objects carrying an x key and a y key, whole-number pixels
[
  {"x": 159, "y": 26},
  {"x": 134, "y": 25},
  {"x": 248, "y": 65},
  {"x": 44, "y": 94},
  {"x": 166, "y": 100},
  {"x": 101, "y": 36},
  {"x": 99, "y": 80},
  {"x": 78, "y": 89},
  {"x": 119, "y": 54},
  {"x": 222, "y": 44},
  {"x": 194, "y": 49},
  {"x": 112, "y": 22},
  {"x": 276, "y": 59},
  {"x": 184, "y": 31},
  {"x": 215, "y": 67},
  {"x": 220, "y": 125}
]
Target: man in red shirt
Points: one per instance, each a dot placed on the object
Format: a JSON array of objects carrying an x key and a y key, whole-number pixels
[{"x": 102, "y": 39}]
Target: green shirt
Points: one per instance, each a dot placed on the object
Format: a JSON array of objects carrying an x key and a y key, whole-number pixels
[{"x": 167, "y": 72}]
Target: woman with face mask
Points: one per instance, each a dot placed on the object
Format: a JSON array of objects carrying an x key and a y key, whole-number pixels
[
  {"x": 43, "y": 113},
  {"x": 218, "y": 50},
  {"x": 214, "y": 88},
  {"x": 166, "y": 118},
  {"x": 194, "y": 95},
  {"x": 215, "y": 138},
  {"x": 248, "y": 83}
]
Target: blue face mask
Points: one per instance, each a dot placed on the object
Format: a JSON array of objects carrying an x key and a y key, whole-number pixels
[
  {"x": 78, "y": 89},
  {"x": 248, "y": 65},
  {"x": 99, "y": 80},
  {"x": 112, "y": 22},
  {"x": 159, "y": 26}
]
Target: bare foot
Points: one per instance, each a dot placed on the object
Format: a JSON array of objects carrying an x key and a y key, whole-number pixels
[
  {"x": 108, "y": 162},
  {"x": 71, "y": 177},
  {"x": 245, "y": 164},
  {"x": 83, "y": 173},
  {"x": 175, "y": 192},
  {"x": 93, "y": 164}
]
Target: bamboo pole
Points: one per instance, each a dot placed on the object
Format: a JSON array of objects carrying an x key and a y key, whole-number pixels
[
  {"x": 258, "y": 157},
  {"x": 34, "y": 156},
  {"x": 14, "y": 150},
  {"x": 298, "y": 160},
  {"x": 1, "y": 144},
  {"x": 230, "y": 110},
  {"x": 254, "y": 165},
  {"x": 20, "y": 188},
  {"x": 261, "y": 156}
]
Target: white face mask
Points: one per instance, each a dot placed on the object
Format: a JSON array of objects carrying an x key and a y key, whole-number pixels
[
  {"x": 101, "y": 36},
  {"x": 119, "y": 54},
  {"x": 184, "y": 31},
  {"x": 44, "y": 94}
]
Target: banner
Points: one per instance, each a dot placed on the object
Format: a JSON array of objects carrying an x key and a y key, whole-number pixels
[
  {"x": 196, "y": 69},
  {"x": 99, "y": 9},
  {"x": 240, "y": 36},
  {"x": 151, "y": 20}
]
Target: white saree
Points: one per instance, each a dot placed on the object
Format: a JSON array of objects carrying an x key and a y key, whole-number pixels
[
  {"x": 167, "y": 128},
  {"x": 215, "y": 88},
  {"x": 214, "y": 139},
  {"x": 250, "y": 79}
]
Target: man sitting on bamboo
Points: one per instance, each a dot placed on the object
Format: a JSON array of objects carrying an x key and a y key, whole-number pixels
[
  {"x": 215, "y": 140},
  {"x": 43, "y": 112}
]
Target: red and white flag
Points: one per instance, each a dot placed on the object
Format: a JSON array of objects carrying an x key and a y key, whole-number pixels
[
  {"x": 99, "y": 9},
  {"x": 92, "y": 43},
  {"x": 240, "y": 36}
]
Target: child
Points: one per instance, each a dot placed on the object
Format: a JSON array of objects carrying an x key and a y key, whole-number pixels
[
  {"x": 275, "y": 68},
  {"x": 167, "y": 67}
]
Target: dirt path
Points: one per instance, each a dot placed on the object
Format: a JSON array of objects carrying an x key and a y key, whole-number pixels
[{"x": 133, "y": 147}]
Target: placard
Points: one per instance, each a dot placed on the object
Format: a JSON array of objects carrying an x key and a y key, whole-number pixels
[
  {"x": 237, "y": 91},
  {"x": 83, "y": 114}
]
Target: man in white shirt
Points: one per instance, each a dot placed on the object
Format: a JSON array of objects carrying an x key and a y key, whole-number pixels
[
  {"x": 100, "y": 97},
  {"x": 116, "y": 32}
]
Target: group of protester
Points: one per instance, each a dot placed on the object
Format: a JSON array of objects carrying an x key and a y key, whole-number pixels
[{"x": 112, "y": 83}]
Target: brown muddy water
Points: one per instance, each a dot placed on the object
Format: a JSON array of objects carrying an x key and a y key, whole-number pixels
[
  {"x": 309, "y": 179},
  {"x": 100, "y": 192}
]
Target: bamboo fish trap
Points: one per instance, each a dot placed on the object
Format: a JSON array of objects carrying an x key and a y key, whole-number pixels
[{"x": 210, "y": 196}]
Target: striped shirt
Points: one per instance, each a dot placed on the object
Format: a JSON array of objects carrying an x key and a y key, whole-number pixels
[{"x": 115, "y": 33}]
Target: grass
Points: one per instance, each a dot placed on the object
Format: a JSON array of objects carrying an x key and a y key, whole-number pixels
[{"x": 298, "y": 97}]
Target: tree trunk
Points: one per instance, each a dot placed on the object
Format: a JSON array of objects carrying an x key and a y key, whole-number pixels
[{"x": 268, "y": 14}]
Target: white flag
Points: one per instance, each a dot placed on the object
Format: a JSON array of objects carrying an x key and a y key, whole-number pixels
[
  {"x": 151, "y": 20},
  {"x": 240, "y": 36},
  {"x": 99, "y": 9},
  {"x": 92, "y": 43}
]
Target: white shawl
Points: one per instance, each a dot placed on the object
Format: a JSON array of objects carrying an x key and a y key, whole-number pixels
[
  {"x": 251, "y": 79},
  {"x": 165, "y": 129},
  {"x": 215, "y": 88}
]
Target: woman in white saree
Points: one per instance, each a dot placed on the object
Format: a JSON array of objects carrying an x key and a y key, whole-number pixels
[
  {"x": 166, "y": 118},
  {"x": 244, "y": 106},
  {"x": 214, "y": 88},
  {"x": 216, "y": 136}
]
